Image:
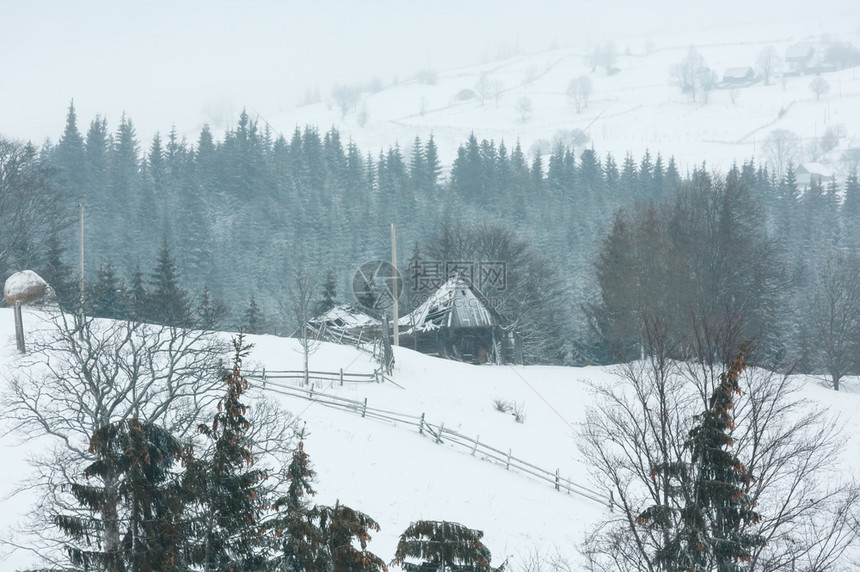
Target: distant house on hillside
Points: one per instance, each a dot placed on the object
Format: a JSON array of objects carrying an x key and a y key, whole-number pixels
[
  {"x": 807, "y": 172},
  {"x": 457, "y": 322},
  {"x": 798, "y": 57},
  {"x": 738, "y": 76}
]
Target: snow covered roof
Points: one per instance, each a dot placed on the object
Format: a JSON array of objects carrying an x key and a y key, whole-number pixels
[
  {"x": 345, "y": 316},
  {"x": 456, "y": 304},
  {"x": 801, "y": 51},
  {"x": 814, "y": 169},
  {"x": 736, "y": 73}
]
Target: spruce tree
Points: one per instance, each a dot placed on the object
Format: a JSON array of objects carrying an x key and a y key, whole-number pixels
[
  {"x": 167, "y": 302},
  {"x": 299, "y": 541},
  {"x": 342, "y": 527},
  {"x": 228, "y": 491},
  {"x": 58, "y": 274},
  {"x": 705, "y": 523},
  {"x": 439, "y": 545},
  {"x": 721, "y": 507},
  {"x": 253, "y": 320},
  {"x": 328, "y": 298},
  {"x": 211, "y": 311},
  {"x": 107, "y": 297},
  {"x": 137, "y": 301},
  {"x": 134, "y": 502}
]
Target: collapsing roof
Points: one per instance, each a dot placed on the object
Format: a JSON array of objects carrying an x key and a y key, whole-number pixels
[
  {"x": 456, "y": 304},
  {"x": 345, "y": 316}
]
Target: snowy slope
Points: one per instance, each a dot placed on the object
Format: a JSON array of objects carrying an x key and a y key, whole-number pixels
[
  {"x": 635, "y": 109},
  {"x": 398, "y": 476}
]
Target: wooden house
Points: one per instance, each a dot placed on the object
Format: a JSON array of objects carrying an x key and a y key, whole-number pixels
[
  {"x": 798, "y": 57},
  {"x": 458, "y": 322},
  {"x": 738, "y": 76}
]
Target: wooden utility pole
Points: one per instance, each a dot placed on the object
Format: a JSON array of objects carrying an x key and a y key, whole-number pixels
[
  {"x": 81, "y": 262},
  {"x": 396, "y": 325}
]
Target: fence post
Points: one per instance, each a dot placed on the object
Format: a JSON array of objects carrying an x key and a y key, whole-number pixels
[
  {"x": 341, "y": 377},
  {"x": 556, "y": 480},
  {"x": 19, "y": 327},
  {"x": 439, "y": 434},
  {"x": 364, "y": 410},
  {"x": 508, "y": 464},
  {"x": 264, "y": 378},
  {"x": 421, "y": 425},
  {"x": 475, "y": 448}
]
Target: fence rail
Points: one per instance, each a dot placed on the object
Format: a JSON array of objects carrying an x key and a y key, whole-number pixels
[
  {"x": 323, "y": 376},
  {"x": 441, "y": 434}
]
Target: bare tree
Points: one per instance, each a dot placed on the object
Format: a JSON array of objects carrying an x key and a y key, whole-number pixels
[
  {"x": 524, "y": 107},
  {"x": 692, "y": 75},
  {"x": 82, "y": 374},
  {"x": 608, "y": 57},
  {"x": 482, "y": 87},
  {"x": 787, "y": 444},
  {"x": 497, "y": 88},
  {"x": 835, "y": 317},
  {"x": 531, "y": 75},
  {"x": 302, "y": 298},
  {"x": 819, "y": 86},
  {"x": 780, "y": 148},
  {"x": 768, "y": 64},
  {"x": 579, "y": 90},
  {"x": 346, "y": 97}
]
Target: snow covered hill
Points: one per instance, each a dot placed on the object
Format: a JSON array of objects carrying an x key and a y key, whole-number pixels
[
  {"x": 636, "y": 108},
  {"x": 395, "y": 474}
]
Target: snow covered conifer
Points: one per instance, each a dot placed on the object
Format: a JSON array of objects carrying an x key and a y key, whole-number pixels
[
  {"x": 228, "y": 490},
  {"x": 341, "y": 527},
  {"x": 709, "y": 532},
  {"x": 299, "y": 541},
  {"x": 253, "y": 320},
  {"x": 134, "y": 501},
  {"x": 428, "y": 545}
]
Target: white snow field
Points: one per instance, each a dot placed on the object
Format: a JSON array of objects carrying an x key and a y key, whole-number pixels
[
  {"x": 638, "y": 108},
  {"x": 395, "y": 474}
]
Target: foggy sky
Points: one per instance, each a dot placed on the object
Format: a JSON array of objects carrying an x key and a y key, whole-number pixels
[{"x": 189, "y": 62}]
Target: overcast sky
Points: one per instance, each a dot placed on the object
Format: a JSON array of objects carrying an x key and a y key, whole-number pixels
[{"x": 184, "y": 62}]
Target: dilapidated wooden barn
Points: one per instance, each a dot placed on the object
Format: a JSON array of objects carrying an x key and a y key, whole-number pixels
[{"x": 458, "y": 322}]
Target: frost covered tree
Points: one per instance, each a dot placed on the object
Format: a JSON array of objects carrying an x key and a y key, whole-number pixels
[
  {"x": 133, "y": 502},
  {"x": 428, "y": 545},
  {"x": 228, "y": 489},
  {"x": 167, "y": 301},
  {"x": 346, "y": 533},
  {"x": 682, "y": 501},
  {"x": 253, "y": 321},
  {"x": 83, "y": 374},
  {"x": 299, "y": 542},
  {"x": 31, "y": 207},
  {"x": 767, "y": 64},
  {"x": 328, "y": 296},
  {"x": 834, "y": 313},
  {"x": 705, "y": 526}
]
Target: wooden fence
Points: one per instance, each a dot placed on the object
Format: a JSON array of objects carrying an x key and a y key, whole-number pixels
[{"x": 439, "y": 433}]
